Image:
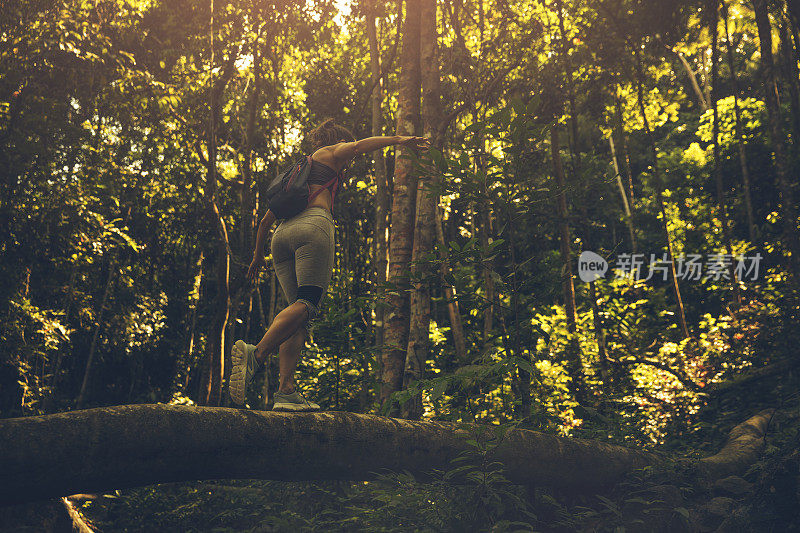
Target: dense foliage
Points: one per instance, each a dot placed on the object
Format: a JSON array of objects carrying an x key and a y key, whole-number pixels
[{"x": 606, "y": 126}]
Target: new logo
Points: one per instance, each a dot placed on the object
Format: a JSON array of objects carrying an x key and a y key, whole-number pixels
[{"x": 591, "y": 266}]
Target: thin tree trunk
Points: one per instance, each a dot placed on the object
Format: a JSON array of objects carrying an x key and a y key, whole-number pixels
[
  {"x": 182, "y": 364},
  {"x": 574, "y": 359},
  {"x": 382, "y": 192},
  {"x": 484, "y": 229},
  {"x": 453, "y": 311},
  {"x": 265, "y": 322},
  {"x": 706, "y": 77},
  {"x": 264, "y": 325},
  {"x": 676, "y": 290},
  {"x": 60, "y": 356},
  {"x": 248, "y": 316},
  {"x": 402, "y": 231},
  {"x": 791, "y": 78},
  {"x": 112, "y": 270},
  {"x": 600, "y": 335},
  {"x": 696, "y": 86},
  {"x": 568, "y": 73},
  {"x": 722, "y": 208},
  {"x": 625, "y": 204},
  {"x": 215, "y": 341},
  {"x": 521, "y": 380},
  {"x": 573, "y": 356},
  {"x": 427, "y": 201},
  {"x": 792, "y": 240},
  {"x": 623, "y": 140},
  {"x": 748, "y": 204},
  {"x": 247, "y": 205},
  {"x": 794, "y": 12}
]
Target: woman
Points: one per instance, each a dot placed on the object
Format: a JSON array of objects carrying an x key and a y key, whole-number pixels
[{"x": 302, "y": 253}]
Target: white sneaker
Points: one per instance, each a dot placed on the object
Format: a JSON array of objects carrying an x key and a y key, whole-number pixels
[
  {"x": 244, "y": 367},
  {"x": 293, "y": 403}
]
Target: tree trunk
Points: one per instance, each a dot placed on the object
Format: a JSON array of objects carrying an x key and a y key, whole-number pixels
[
  {"x": 134, "y": 445},
  {"x": 623, "y": 140},
  {"x": 184, "y": 359},
  {"x": 453, "y": 311},
  {"x": 748, "y": 204},
  {"x": 625, "y": 204},
  {"x": 427, "y": 201},
  {"x": 693, "y": 80},
  {"x": 792, "y": 240},
  {"x": 791, "y": 77},
  {"x": 56, "y": 368},
  {"x": 382, "y": 192},
  {"x": 676, "y": 290},
  {"x": 247, "y": 199},
  {"x": 573, "y": 355},
  {"x": 96, "y": 337},
  {"x": 722, "y": 208},
  {"x": 215, "y": 341},
  {"x": 600, "y": 335},
  {"x": 403, "y": 205},
  {"x": 484, "y": 227},
  {"x": 706, "y": 77}
]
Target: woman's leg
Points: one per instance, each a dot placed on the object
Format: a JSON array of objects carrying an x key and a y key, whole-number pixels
[
  {"x": 303, "y": 256},
  {"x": 288, "y": 356},
  {"x": 285, "y": 325}
]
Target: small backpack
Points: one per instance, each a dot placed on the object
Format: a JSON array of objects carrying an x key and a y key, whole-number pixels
[{"x": 289, "y": 193}]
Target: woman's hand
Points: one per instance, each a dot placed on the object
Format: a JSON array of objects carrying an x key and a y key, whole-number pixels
[
  {"x": 415, "y": 143},
  {"x": 255, "y": 265}
]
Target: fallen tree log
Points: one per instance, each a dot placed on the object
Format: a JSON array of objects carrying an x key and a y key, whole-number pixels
[
  {"x": 135, "y": 445},
  {"x": 745, "y": 443}
]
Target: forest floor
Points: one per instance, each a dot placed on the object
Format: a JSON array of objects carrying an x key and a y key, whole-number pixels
[{"x": 765, "y": 498}]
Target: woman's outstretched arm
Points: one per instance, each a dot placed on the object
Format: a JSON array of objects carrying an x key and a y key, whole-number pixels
[
  {"x": 261, "y": 242},
  {"x": 348, "y": 150}
]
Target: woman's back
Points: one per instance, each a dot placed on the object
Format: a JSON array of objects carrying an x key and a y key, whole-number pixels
[{"x": 324, "y": 167}]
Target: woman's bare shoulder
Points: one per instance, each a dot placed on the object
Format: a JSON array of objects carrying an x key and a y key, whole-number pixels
[{"x": 325, "y": 155}]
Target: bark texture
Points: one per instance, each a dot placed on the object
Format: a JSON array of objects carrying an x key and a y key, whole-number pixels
[
  {"x": 427, "y": 200},
  {"x": 404, "y": 198},
  {"x": 215, "y": 347},
  {"x": 134, "y": 445}
]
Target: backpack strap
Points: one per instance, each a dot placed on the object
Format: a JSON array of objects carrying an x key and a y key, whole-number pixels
[{"x": 333, "y": 181}]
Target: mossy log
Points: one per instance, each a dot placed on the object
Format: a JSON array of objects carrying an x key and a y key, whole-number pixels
[{"x": 134, "y": 445}]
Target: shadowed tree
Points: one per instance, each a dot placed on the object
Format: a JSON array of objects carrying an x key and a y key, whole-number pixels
[
  {"x": 401, "y": 235},
  {"x": 787, "y": 206}
]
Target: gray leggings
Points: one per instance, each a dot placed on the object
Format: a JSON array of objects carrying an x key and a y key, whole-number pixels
[{"x": 302, "y": 254}]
